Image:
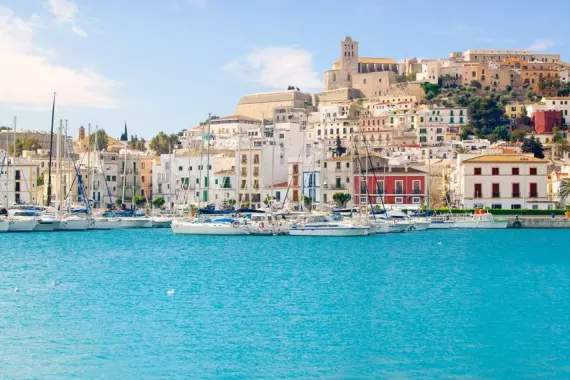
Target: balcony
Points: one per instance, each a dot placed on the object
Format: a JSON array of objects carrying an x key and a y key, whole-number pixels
[
  {"x": 533, "y": 194},
  {"x": 516, "y": 194},
  {"x": 416, "y": 191},
  {"x": 337, "y": 186},
  {"x": 399, "y": 192},
  {"x": 496, "y": 195}
]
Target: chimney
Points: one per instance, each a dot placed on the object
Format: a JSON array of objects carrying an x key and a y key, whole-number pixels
[{"x": 406, "y": 167}]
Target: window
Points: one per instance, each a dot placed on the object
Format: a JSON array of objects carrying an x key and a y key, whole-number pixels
[
  {"x": 515, "y": 171},
  {"x": 497, "y": 206},
  {"x": 416, "y": 200},
  {"x": 478, "y": 193},
  {"x": 476, "y": 171},
  {"x": 535, "y": 207},
  {"x": 398, "y": 200},
  {"x": 363, "y": 199},
  {"x": 533, "y": 171},
  {"x": 278, "y": 195},
  {"x": 516, "y": 190},
  {"x": 451, "y": 120},
  {"x": 533, "y": 190},
  {"x": 338, "y": 165},
  {"x": 142, "y": 179},
  {"x": 348, "y": 165},
  {"x": 338, "y": 183},
  {"x": 516, "y": 207},
  {"x": 399, "y": 187},
  {"x": 439, "y": 130},
  {"x": 416, "y": 187},
  {"x": 256, "y": 159},
  {"x": 495, "y": 189},
  {"x": 180, "y": 168},
  {"x": 495, "y": 171},
  {"x": 379, "y": 187}
]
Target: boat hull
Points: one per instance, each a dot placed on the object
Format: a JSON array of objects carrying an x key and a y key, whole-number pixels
[
  {"x": 336, "y": 231},
  {"x": 74, "y": 225},
  {"x": 46, "y": 226},
  {"x": 189, "y": 228},
  {"x": 442, "y": 225},
  {"x": 128, "y": 223},
  {"x": 106, "y": 224},
  {"x": 4, "y": 226},
  {"x": 22, "y": 225},
  {"x": 419, "y": 226}
]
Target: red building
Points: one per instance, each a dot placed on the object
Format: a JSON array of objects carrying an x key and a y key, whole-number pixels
[
  {"x": 400, "y": 186},
  {"x": 544, "y": 121}
]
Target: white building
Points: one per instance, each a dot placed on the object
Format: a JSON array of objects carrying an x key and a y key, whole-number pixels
[
  {"x": 431, "y": 71},
  {"x": 19, "y": 182},
  {"x": 505, "y": 181}
]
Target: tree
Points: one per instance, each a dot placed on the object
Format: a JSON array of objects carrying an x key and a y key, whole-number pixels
[
  {"x": 476, "y": 84},
  {"x": 99, "y": 140},
  {"x": 531, "y": 145},
  {"x": 307, "y": 200},
  {"x": 465, "y": 132},
  {"x": 163, "y": 143},
  {"x": 267, "y": 200},
  {"x": 519, "y": 134},
  {"x": 341, "y": 199},
  {"x": 564, "y": 188},
  {"x": 509, "y": 88},
  {"x": 119, "y": 201},
  {"x": 139, "y": 201},
  {"x": 29, "y": 143},
  {"x": 486, "y": 114},
  {"x": 430, "y": 87},
  {"x": 158, "y": 202},
  {"x": 557, "y": 137},
  {"x": 136, "y": 143},
  {"x": 502, "y": 132},
  {"x": 40, "y": 180}
]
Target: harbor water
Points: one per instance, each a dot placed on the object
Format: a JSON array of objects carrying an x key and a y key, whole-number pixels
[{"x": 434, "y": 304}]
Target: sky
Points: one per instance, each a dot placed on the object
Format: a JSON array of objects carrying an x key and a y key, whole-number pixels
[{"x": 163, "y": 65}]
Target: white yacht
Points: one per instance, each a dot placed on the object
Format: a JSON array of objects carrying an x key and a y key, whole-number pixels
[
  {"x": 102, "y": 223},
  {"x": 266, "y": 225},
  {"x": 129, "y": 222},
  {"x": 160, "y": 221},
  {"x": 46, "y": 223},
  {"x": 74, "y": 223},
  {"x": 479, "y": 220},
  {"x": 4, "y": 225},
  {"x": 22, "y": 220},
  {"x": 320, "y": 225},
  {"x": 206, "y": 226},
  {"x": 385, "y": 226}
]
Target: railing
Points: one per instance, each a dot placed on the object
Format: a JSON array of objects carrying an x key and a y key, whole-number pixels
[
  {"x": 533, "y": 194},
  {"x": 496, "y": 195},
  {"x": 337, "y": 187},
  {"x": 416, "y": 191},
  {"x": 516, "y": 194},
  {"x": 399, "y": 192}
]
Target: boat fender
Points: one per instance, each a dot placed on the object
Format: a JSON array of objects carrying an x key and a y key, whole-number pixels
[
  {"x": 517, "y": 224},
  {"x": 261, "y": 225},
  {"x": 235, "y": 224}
]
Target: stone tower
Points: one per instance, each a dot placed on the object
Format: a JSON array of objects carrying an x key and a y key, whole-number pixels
[
  {"x": 81, "y": 133},
  {"x": 348, "y": 58}
]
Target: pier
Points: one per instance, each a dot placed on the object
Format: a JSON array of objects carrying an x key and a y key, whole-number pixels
[{"x": 538, "y": 222}]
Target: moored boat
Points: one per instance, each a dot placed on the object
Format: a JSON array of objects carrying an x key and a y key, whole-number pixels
[
  {"x": 74, "y": 223},
  {"x": 206, "y": 226},
  {"x": 320, "y": 225}
]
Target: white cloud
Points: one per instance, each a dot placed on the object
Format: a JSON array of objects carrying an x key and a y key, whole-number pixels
[
  {"x": 28, "y": 76},
  {"x": 79, "y": 31},
  {"x": 63, "y": 10},
  {"x": 542, "y": 45},
  {"x": 277, "y": 67}
]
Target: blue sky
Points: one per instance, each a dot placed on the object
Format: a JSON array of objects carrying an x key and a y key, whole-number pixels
[{"x": 164, "y": 64}]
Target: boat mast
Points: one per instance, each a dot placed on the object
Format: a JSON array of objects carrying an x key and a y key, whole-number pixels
[
  {"x": 206, "y": 198},
  {"x": 89, "y": 182},
  {"x": 14, "y": 158},
  {"x": 57, "y": 168},
  {"x": 48, "y": 202},
  {"x": 124, "y": 177}
]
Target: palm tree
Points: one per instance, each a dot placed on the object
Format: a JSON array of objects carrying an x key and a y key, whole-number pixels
[{"x": 564, "y": 188}]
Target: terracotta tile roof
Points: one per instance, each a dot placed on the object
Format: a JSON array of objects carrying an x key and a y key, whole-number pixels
[
  {"x": 282, "y": 184},
  {"x": 505, "y": 158}
]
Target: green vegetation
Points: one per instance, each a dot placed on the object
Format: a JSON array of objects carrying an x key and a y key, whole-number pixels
[
  {"x": 564, "y": 188},
  {"x": 307, "y": 200},
  {"x": 341, "y": 199},
  {"x": 163, "y": 143},
  {"x": 158, "y": 202},
  {"x": 531, "y": 145},
  {"x": 136, "y": 143},
  {"x": 99, "y": 140},
  {"x": 40, "y": 180},
  {"x": 30, "y": 143},
  {"x": 139, "y": 201}
]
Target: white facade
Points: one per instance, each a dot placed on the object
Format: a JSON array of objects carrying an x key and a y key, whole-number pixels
[
  {"x": 18, "y": 182},
  {"x": 501, "y": 182}
]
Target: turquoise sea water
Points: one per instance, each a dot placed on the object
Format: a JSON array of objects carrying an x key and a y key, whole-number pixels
[{"x": 483, "y": 304}]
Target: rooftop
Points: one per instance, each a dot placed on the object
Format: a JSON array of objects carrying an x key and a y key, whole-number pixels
[
  {"x": 506, "y": 158},
  {"x": 282, "y": 184},
  {"x": 236, "y": 117},
  {"x": 230, "y": 171},
  {"x": 393, "y": 170}
]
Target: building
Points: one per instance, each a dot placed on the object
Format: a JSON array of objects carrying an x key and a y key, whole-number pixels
[
  {"x": 484, "y": 55},
  {"x": 515, "y": 110},
  {"x": 372, "y": 76},
  {"x": 19, "y": 182},
  {"x": 545, "y": 121},
  {"x": 502, "y": 181},
  {"x": 337, "y": 174},
  {"x": 402, "y": 187},
  {"x": 261, "y": 106}
]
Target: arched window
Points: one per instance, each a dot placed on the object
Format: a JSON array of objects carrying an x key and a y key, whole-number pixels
[
  {"x": 348, "y": 77},
  {"x": 334, "y": 77},
  {"x": 364, "y": 81}
]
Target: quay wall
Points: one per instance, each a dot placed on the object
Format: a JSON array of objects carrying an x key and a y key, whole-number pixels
[{"x": 538, "y": 222}]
